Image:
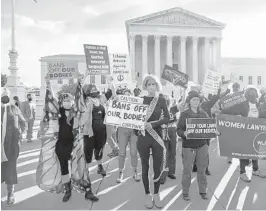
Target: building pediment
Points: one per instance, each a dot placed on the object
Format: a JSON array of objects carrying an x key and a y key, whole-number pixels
[{"x": 176, "y": 17}]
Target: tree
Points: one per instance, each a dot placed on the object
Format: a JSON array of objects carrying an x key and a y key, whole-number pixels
[
  {"x": 68, "y": 88},
  {"x": 3, "y": 80}
]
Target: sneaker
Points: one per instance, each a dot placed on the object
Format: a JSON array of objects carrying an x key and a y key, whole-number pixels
[
  {"x": 172, "y": 176},
  {"x": 194, "y": 168},
  {"x": 120, "y": 177},
  {"x": 204, "y": 196},
  {"x": 244, "y": 177},
  {"x": 113, "y": 154},
  {"x": 229, "y": 160},
  {"x": 101, "y": 170},
  {"x": 10, "y": 199},
  {"x": 259, "y": 174},
  {"x": 136, "y": 177},
  {"x": 186, "y": 197},
  {"x": 149, "y": 201},
  {"x": 90, "y": 196},
  {"x": 207, "y": 172},
  {"x": 157, "y": 201}
]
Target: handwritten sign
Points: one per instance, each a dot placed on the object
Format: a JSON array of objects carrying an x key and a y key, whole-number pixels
[
  {"x": 97, "y": 59},
  {"x": 174, "y": 76},
  {"x": 212, "y": 82},
  {"x": 62, "y": 70},
  {"x": 201, "y": 128},
  {"x": 120, "y": 68},
  {"x": 231, "y": 100},
  {"x": 127, "y": 112},
  {"x": 242, "y": 137}
]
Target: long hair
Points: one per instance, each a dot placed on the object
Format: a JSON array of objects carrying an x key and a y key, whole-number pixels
[{"x": 152, "y": 77}]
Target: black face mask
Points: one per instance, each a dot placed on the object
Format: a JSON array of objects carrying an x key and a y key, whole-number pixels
[
  {"x": 30, "y": 99},
  {"x": 16, "y": 104},
  {"x": 5, "y": 99}
]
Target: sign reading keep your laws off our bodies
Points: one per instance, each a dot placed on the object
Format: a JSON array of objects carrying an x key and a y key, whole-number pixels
[
  {"x": 127, "y": 112},
  {"x": 201, "y": 128},
  {"x": 97, "y": 59},
  {"x": 62, "y": 70}
]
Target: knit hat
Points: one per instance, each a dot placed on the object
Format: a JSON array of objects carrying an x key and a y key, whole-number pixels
[
  {"x": 263, "y": 90},
  {"x": 191, "y": 95}
]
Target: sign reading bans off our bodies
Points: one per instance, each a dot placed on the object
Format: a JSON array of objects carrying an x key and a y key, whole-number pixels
[
  {"x": 242, "y": 137},
  {"x": 202, "y": 128},
  {"x": 128, "y": 112},
  {"x": 97, "y": 59},
  {"x": 62, "y": 70}
]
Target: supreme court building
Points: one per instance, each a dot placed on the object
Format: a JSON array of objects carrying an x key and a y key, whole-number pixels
[{"x": 174, "y": 36}]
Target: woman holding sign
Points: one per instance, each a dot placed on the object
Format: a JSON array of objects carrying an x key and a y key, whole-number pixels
[
  {"x": 193, "y": 148},
  {"x": 151, "y": 139}
]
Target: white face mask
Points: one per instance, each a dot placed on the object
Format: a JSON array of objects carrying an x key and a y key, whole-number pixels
[{"x": 67, "y": 105}]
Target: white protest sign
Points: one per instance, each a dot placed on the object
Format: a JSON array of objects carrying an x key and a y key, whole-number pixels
[
  {"x": 127, "y": 112},
  {"x": 120, "y": 68},
  {"x": 212, "y": 82}
]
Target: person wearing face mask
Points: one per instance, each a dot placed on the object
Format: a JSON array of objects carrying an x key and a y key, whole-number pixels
[
  {"x": 151, "y": 139},
  {"x": 64, "y": 144},
  {"x": 16, "y": 101},
  {"x": 11, "y": 123},
  {"x": 193, "y": 148},
  {"x": 28, "y": 109},
  {"x": 127, "y": 136},
  {"x": 94, "y": 128}
]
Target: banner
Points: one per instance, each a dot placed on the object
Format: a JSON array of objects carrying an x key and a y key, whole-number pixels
[
  {"x": 242, "y": 137},
  {"x": 128, "y": 112},
  {"x": 203, "y": 128},
  {"x": 174, "y": 76},
  {"x": 97, "y": 59},
  {"x": 120, "y": 68},
  {"x": 212, "y": 82},
  {"x": 231, "y": 100},
  {"x": 62, "y": 70}
]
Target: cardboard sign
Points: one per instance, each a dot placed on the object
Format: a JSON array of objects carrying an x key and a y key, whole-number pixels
[
  {"x": 120, "y": 68},
  {"x": 128, "y": 112},
  {"x": 62, "y": 70},
  {"x": 174, "y": 76},
  {"x": 201, "y": 128},
  {"x": 97, "y": 59},
  {"x": 242, "y": 137},
  {"x": 231, "y": 100},
  {"x": 212, "y": 82}
]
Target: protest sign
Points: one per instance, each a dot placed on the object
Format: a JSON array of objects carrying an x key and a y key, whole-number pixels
[
  {"x": 97, "y": 59},
  {"x": 212, "y": 82},
  {"x": 120, "y": 68},
  {"x": 231, "y": 100},
  {"x": 62, "y": 70},
  {"x": 242, "y": 137},
  {"x": 127, "y": 112},
  {"x": 174, "y": 76},
  {"x": 201, "y": 128}
]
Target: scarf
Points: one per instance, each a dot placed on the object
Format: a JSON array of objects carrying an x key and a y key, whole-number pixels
[
  {"x": 3, "y": 154},
  {"x": 156, "y": 137}
]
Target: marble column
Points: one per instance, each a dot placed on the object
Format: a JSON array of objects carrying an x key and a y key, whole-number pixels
[
  {"x": 183, "y": 54},
  {"x": 169, "y": 51},
  {"x": 213, "y": 54},
  {"x": 218, "y": 55},
  {"x": 195, "y": 41},
  {"x": 144, "y": 55},
  {"x": 206, "y": 57},
  {"x": 132, "y": 48},
  {"x": 157, "y": 55}
]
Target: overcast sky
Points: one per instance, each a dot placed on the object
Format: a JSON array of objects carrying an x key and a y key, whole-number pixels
[{"x": 63, "y": 26}]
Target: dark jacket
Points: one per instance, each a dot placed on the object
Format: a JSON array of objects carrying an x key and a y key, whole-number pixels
[
  {"x": 181, "y": 128},
  {"x": 241, "y": 109},
  {"x": 262, "y": 106},
  {"x": 207, "y": 105}
]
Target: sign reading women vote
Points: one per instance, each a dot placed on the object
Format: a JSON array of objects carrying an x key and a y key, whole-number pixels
[
  {"x": 62, "y": 70},
  {"x": 231, "y": 100},
  {"x": 174, "y": 76},
  {"x": 242, "y": 137},
  {"x": 97, "y": 59},
  {"x": 127, "y": 112},
  {"x": 201, "y": 128}
]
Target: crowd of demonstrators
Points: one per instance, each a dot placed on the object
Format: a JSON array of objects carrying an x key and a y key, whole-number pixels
[{"x": 12, "y": 124}]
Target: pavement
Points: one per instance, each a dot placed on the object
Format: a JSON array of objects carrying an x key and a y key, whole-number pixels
[{"x": 226, "y": 191}]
